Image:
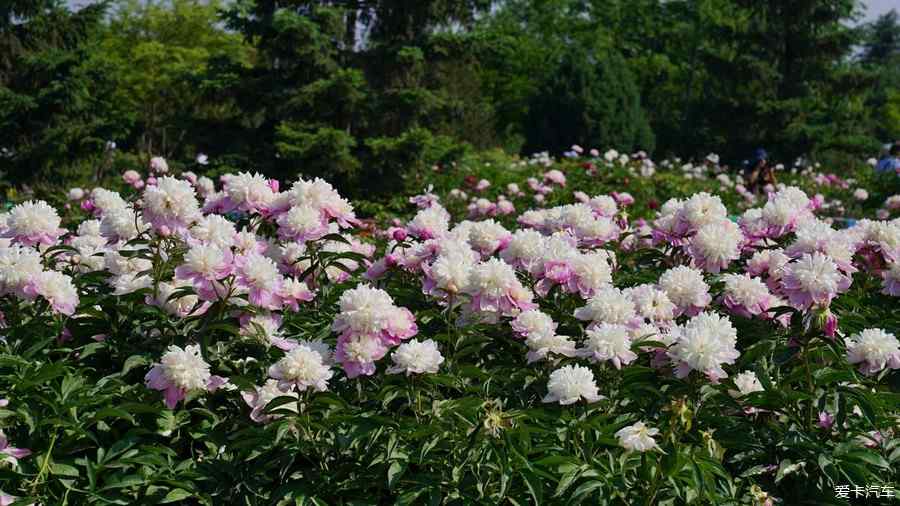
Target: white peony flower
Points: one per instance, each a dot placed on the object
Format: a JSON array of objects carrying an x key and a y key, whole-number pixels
[
  {"x": 17, "y": 266},
  {"x": 874, "y": 350},
  {"x": 415, "y": 357},
  {"x": 651, "y": 303},
  {"x": 747, "y": 383},
  {"x": 542, "y": 345},
  {"x": 570, "y": 384},
  {"x": 704, "y": 344},
  {"x": 608, "y": 305},
  {"x": 34, "y": 222},
  {"x": 686, "y": 288},
  {"x": 186, "y": 367},
  {"x": 609, "y": 342},
  {"x": 171, "y": 204},
  {"x": 715, "y": 245},
  {"x": 533, "y": 323},
  {"x": 302, "y": 367},
  {"x": 637, "y": 437},
  {"x": 216, "y": 230}
]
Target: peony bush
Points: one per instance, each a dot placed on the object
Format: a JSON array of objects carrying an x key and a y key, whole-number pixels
[{"x": 556, "y": 333}]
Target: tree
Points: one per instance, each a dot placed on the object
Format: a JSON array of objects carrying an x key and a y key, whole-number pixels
[
  {"x": 882, "y": 39},
  {"x": 337, "y": 84},
  {"x": 161, "y": 53},
  {"x": 54, "y": 107},
  {"x": 590, "y": 100},
  {"x": 881, "y": 56}
]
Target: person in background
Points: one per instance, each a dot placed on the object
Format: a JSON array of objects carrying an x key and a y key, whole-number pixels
[
  {"x": 891, "y": 161},
  {"x": 759, "y": 173}
]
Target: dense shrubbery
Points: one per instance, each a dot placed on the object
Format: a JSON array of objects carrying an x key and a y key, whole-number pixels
[{"x": 262, "y": 344}]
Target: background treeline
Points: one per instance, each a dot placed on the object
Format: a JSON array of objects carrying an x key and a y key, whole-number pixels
[{"x": 360, "y": 91}]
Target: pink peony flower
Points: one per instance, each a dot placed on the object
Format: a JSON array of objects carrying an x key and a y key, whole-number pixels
[
  {"x": 813, "y": 280},
  {"x": 11, "y": 454},
  {"x": 556, "y": 177},
  {"x": 260, "y": 277},
  {"x": 181, "y": 371}
]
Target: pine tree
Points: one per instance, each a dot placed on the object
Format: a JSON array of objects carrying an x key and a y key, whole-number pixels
[{"x": 52, "y": 107}]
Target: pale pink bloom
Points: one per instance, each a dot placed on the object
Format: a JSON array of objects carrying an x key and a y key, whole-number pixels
[
  {"x": 482, "y": 185},
  {"x": 260, "y": 276},
  {"x": 875, "y": 350},
  {"x": 813, "y": 280},
  {"x": 505, "y": 207},
  {"x": 302, "y": 224},
  {"x": 159, "y": 165},
  {"x": 204, "y": 266},
  {"x": 357, "y": 354},
  {"x": 716, "y": 245},
  {"x": 11, "y": 454},
  {"x": 180, "y": 372},
  {"x": 495, "y": 289},
  {"x": 379, "y": 268},
  {"x": 172, "y": 205},
  {"x": 260, "y": 397},
  {"x": 131, "y": 177},
  {"x": 400, "y": 325},
  {"x": 33, "y": 222},
  {"x": 891, "y": 280},
  {"x": 268, "y": 327},
  {"x": 746, "y": 296},
  {"x": 482, "y": 207},
  {"x": 623, "y": 199},
  {"x": 582, "y": 197},
  {"x": 556, "y": 177},
  {"x": 293, "y": 292},
  {"x": 56, "y": 288}
]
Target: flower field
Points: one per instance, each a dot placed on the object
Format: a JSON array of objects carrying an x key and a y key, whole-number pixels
[{"x": 597, "y": 329}]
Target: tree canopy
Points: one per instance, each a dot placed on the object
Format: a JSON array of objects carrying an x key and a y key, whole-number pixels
[{"x": 360, "y": 90}]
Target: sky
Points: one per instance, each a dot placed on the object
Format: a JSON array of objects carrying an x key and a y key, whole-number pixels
[
  {"x": 874, "y": 8},
  {"x": 879, "y": 7}
]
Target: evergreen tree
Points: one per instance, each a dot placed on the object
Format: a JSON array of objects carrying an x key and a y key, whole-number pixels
[
  {"x": 591, "y": 100},
  {"x": 882, "y": 40},
  {"x": 53, "y": 107}
]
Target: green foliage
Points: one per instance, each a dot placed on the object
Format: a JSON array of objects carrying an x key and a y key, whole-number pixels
[
  {"x": 52, "y": 107},
  {"x": 592, "y": 100},
  {"x": 159, "y": 55},
  {"x": 268, "y": 84}
]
